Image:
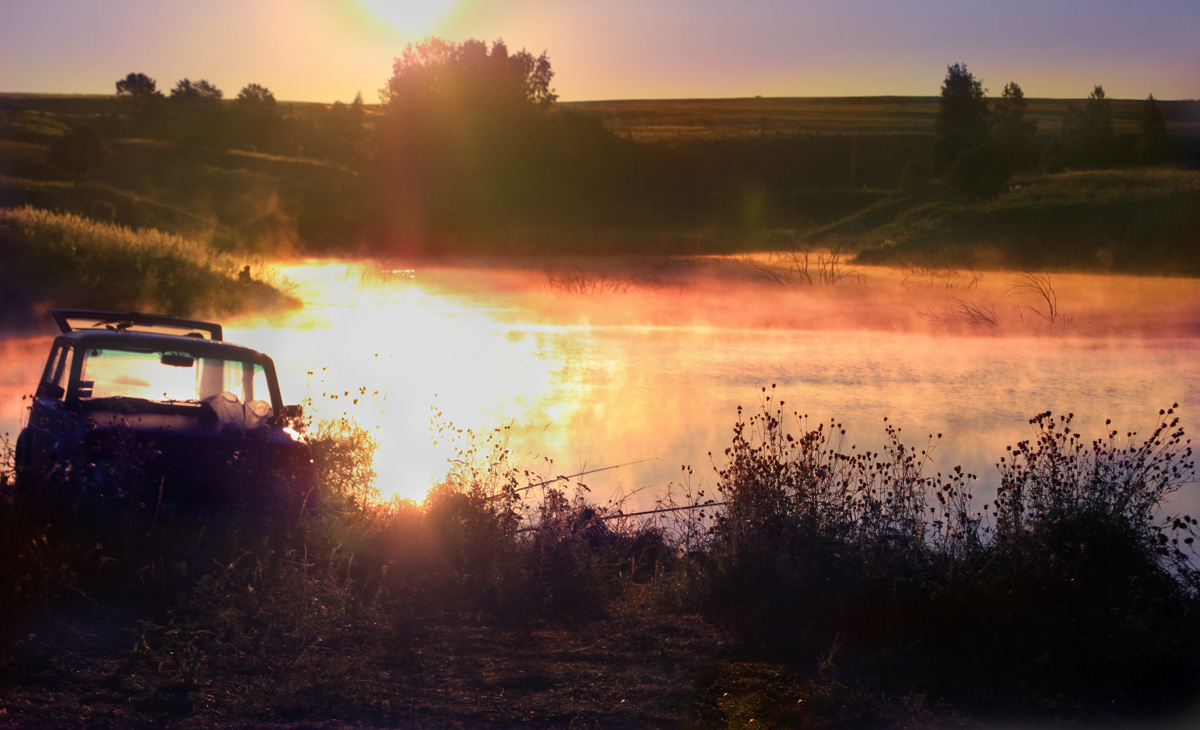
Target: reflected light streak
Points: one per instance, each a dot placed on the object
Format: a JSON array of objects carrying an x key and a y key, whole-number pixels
[
  {"x": 386, "y": 353},
  {"x": 657, "y": 372}
]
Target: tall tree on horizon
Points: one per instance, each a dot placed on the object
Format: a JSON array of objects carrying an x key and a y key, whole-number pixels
[
  {"x": 197, "y": 114},
  {"x": 138, "y": 86},
  {"x": 463, "y": 137},
  {"x": 1011, "y": 130},
  {"x": 139, "y": 95},
  {"x": 1152, "y": 137},
  {"x": 1088, "y": 130},
  {"x": 962, "y": 117}
]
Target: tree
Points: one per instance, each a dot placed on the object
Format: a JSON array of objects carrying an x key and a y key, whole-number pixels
[
  {"x": 1011, "y": 131},
  {"x": 962, "y": 117},
  {"x": 1152, "y": 137},
  {"x": 1088, "y": 131},
  {"x": 188, "y": 91},
  {"x": 256, "y": 118},
  {"x": 138, "y": 86},
  {"x": 140, "y": 96},
  {"x": 197, "y": 113},
  {"x": 467, "y": 75},
  {"x": 255, "y": 96},
  {"x": 465, "y": 137}
]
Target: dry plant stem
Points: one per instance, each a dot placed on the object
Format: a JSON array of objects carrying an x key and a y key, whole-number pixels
[{"x": 1042, "y": 288}]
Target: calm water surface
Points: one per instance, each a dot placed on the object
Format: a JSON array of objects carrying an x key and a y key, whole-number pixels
[{"x": 583, "y": 373}]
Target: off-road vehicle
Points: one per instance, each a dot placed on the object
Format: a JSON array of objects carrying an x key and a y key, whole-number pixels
[{"x": 161, "y": 410}]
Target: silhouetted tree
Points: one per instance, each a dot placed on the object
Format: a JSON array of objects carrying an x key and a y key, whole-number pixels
[
  {"x": 188, "y": 91},
  {"x": 467, "y": 75},
  {"x": 256, "y": 96},
  {"x": 197, "y": 113},
  {"x": 1012, "y": 132},
  {"x": 1152, "y": 138},
  {"x": 465, "y": 135},
  {"x": 256, "y": 116},
  {"x": 140, "y": 96},
  {"x": 345, "y": 137},
  {"x": 138, "y": 86},
  {"x": 1088, "y": 131},
  {"x": 962, "y": 117}
]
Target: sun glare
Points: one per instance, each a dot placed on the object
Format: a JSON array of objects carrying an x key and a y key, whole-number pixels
[
  {"x": 420, "y": 352},
  {"x": 411, "y": 17}
]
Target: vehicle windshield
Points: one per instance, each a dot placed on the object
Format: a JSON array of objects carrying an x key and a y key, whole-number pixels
[{"x": 168, "y": 376}]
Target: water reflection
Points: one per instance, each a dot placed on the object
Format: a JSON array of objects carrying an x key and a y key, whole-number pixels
[
  {"x": 590, "y": 379},
  {"x": 654, "y": 366}
]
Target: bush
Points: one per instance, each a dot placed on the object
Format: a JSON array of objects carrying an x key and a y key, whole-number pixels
[{"x": 1074, "y": 573}]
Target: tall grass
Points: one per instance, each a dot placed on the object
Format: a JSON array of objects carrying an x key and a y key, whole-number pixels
[
  {"x": 1073, "y": 580},
  {"x": 67, "y": 260},
  {"x": 1074, "y": 574}
]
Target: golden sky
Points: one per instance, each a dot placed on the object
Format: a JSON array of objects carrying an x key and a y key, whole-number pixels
[{"x": 327, "y": 50}]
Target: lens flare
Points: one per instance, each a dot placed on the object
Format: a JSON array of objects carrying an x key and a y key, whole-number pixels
[{"x": 410, "y": 17}]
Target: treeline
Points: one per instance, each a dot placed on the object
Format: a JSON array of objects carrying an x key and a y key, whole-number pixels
[
  {"x": 471, "y": 152},
  {"x": 978, "y": 146}
]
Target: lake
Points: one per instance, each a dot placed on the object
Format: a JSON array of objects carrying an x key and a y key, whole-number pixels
[{"x": 592, "y": 365}]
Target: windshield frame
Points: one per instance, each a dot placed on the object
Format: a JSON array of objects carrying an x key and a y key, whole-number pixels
[{"x": 142, "y": 344}]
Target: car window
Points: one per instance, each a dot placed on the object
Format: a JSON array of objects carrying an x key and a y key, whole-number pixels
[
  {"x": 58, "y": 369},
  {"x": 246, "y": 380},
  {"x": 169, "y": 376}
]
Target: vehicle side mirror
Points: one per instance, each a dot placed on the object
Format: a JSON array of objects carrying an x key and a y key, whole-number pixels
[{"x": 293, "y": 412}]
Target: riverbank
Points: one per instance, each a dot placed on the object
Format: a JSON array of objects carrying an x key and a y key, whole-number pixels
[
  {"x": 64, "y": 260},
  {"x": 1134, "y": 221},
  {"x": 664, "y": 178},
  {"x": 499, "y": 600}
]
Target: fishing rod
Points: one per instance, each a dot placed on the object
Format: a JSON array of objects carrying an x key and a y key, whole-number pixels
[
  {"x": 564, "y": 478},
  {"x": 659, "y": 511},
  {"x": 583, "y": 473}
]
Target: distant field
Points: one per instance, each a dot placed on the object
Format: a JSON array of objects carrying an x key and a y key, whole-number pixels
[
  {"x": 663, "y": 119},
  {"x": 657, "y": 119}
]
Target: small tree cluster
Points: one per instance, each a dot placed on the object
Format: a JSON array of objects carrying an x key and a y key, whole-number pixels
[{"x": 974, "y": 148}]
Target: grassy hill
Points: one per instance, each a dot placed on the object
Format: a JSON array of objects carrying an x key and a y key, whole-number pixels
[{"x": 676, "y": 176}]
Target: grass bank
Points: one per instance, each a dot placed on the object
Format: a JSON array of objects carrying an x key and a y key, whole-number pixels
[
  {"x": 666, "y": 176},
  {"x": 817, "y": 587},
  {"x": 1140, "y": 221},
  {"x": 60, "y": 259}
]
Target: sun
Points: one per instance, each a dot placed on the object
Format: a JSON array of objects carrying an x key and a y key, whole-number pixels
[{"x": 411, "y": 17}]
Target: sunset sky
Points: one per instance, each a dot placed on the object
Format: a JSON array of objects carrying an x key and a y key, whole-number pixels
[{"x": 327, "y": 50}]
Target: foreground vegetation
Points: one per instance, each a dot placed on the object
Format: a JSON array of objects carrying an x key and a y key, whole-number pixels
[
  {"x": 819, "y": 586},
  {"x": 57, "y": 259}
]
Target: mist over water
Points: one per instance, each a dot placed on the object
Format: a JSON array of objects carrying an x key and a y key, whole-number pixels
[{"x": 593, "y": 365}]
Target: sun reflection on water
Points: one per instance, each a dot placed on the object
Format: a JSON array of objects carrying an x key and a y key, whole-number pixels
[{"x": 391, "y": 352}]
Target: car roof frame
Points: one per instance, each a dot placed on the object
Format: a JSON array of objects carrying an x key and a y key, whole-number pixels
[{"x": 123, "y": 321}]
